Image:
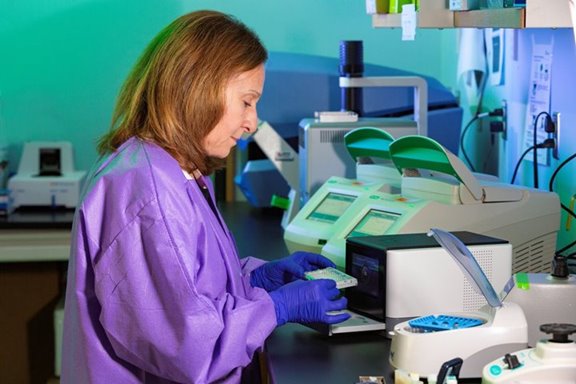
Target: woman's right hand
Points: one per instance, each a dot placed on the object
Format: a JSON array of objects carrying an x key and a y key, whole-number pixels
[{"x": 304, "y": 301}]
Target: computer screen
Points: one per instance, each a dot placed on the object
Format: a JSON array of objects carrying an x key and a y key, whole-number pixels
[
  {"x": 374, "y": 223},
  {"x": 331, "y": 207}
]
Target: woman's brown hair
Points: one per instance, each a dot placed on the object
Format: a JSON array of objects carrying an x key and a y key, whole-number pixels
[{"x": 174, "y": 95}]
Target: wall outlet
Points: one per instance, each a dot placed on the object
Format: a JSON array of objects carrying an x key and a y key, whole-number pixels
[{"x": 556, "y": 134}]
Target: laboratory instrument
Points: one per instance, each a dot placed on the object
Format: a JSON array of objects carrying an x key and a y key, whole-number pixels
[
  {"x": 544, "y": 297},
  {"x": 438, "y": 190},
  {"x": 401, "y": 277},
  {"x": 311, "y": 84},
  {"x": 321, "y": 146},
  {"x": 281, "y": 173},
  {"x": 46, "y": 177},
  {"x": 315, "y": 222},
  {"x": 500, "y": 327},
  {"x": 553, "y": 360}
]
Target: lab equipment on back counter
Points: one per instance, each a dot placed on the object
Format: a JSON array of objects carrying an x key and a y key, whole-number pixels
[
  {"x": 438, "y": 190},
  {"x": 423, "y": 344},
  {"x": 280, "y": 173},
  {"x": 46, "y": 176},
  {"x": 553, "y": 360}
]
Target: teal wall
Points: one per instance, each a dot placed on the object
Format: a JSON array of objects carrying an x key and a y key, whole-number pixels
[{"x": 63, "y": 61}]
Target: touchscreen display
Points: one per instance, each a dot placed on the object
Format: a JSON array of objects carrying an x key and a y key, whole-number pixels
[
  {"x": 374, "y": 223},
  {"x": 331, "y": 207}
]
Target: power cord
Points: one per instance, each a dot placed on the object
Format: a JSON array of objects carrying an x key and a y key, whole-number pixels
[
  {"x": 520, "y": 162},
  {"x": 477, "y": 116},
  {"x": 462, "y": 148},
  {"x": 548, "y": 143},
  {"x": 549, "y": 127}
]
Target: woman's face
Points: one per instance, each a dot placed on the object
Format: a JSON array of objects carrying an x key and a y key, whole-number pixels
[{"x": 242, "y": 94}]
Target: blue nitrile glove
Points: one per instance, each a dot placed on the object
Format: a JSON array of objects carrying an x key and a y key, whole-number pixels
[
  {"x": 274, "y": 274},
  {"x": 308, "y": 302}
]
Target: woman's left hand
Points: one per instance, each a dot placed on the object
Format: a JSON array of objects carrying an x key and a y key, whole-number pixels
[{"x": 274, "y": 274}]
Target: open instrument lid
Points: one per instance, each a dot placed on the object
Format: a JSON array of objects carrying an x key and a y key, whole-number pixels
[
  {"x": 368, "y": 142},
  {"x": 468, "y": 264},
  {"x": 420, "y": 152}
]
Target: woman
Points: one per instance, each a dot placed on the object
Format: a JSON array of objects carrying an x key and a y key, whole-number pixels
[{"x": 156, "y": 291}]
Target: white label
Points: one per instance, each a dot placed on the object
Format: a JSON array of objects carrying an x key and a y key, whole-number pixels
[
  {"x": 370, "y": 7},
  {"x": 455, "y": 5},
  {"x": 409, "y": 22}
]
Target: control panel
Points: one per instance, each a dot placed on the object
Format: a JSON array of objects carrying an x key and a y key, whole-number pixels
[{"x": 551, "y": 361}]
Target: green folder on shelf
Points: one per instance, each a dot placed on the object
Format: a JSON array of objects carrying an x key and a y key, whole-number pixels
[{"x": 396, "y": 5}]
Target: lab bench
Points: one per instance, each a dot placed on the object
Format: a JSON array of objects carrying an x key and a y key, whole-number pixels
[
  {"x": 35, "y": 236},
  {"x": 297, "y": 354}
]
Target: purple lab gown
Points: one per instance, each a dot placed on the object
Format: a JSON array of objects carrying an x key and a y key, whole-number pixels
[{"x": 156, "y": 292}]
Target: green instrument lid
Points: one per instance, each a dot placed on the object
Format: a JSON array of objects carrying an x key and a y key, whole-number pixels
[
  {"x": 368, "y": 142},
  {"x": 421, "y": 152}
]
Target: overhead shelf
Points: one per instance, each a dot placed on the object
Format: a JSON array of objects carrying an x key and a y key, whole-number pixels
[
  {"x": 536, "y": 14},
  {"x": 500, "y": 18}
]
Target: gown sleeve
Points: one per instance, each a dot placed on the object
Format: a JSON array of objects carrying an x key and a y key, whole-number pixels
[
  {"x": 250, "y": 263},
  {"x": 169, "y": 313}
]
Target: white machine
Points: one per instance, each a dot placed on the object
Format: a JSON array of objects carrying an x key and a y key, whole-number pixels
[
  {"x": 437, "y": 190},
  {"x": 323, "y": 151},
  {"x": 423, "y": 344},
  {"x": 46, "y": 177},
  {"x": 315, "y": 222},
  {"x": 545, "y": 298},
  {"x": 552, "y": 361},
  {"x": 501, "y": 331},
  {"x": 321, "y": 145},
  {"x": 401, "y": 277}
]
